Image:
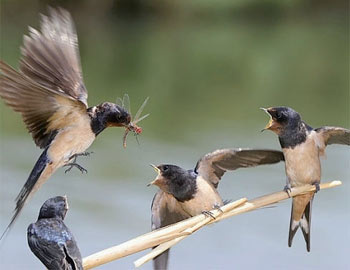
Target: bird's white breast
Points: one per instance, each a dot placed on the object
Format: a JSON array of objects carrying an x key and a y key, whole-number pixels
[
  {"x": 71, "y": 140},
  {"x": 205, "y": 199},
  {"x": 302, "y": 162}
]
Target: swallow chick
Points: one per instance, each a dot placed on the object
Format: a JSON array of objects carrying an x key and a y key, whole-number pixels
[
  {"x": 51, "y": 240},
  {"x": 187, "y": 193},
  {"x": 302, "y": 146},
  {"x": 48, "y": 91}
]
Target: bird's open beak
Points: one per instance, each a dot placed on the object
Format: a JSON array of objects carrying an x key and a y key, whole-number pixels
[
  {"x": 154, "y": 182},
  {"x": 270, "y": 123}
]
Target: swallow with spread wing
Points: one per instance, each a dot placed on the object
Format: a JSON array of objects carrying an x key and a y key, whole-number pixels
[
  {"x": 302, "y": 146},
  {"x": 51, "y": 240},
  {"x": 187, "y": 193},
  {"x": 49, "y": 93}
]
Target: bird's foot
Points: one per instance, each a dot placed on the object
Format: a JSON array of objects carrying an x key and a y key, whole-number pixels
[
  {"x": 227, "y": 201},
  {"x": 208, "y": 214},
  {"x": 287, "y": 188},
  {"x": 73, "y": 164},
  {"x": 218, "y": 207},
  {"x": 317, "y": 185}
]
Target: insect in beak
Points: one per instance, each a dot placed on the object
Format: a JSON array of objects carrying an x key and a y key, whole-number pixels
[{"x": 132, "y": 126}]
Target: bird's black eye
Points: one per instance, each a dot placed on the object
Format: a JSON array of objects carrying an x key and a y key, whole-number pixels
[
  {"x": 165, "y": 168},
  {"x": 279, "y": 115}
]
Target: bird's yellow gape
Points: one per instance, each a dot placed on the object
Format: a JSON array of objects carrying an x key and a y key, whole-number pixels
[
  {"x": 156, "y": 180},
  {"x": 272, "y": 124}
]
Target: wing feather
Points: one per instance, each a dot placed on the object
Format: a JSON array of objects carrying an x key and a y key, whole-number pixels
[
  {"x": 165, "y": 211},
  {"x": 53, "y": 243},
  {"x": 213, "y": 165},
  {"x": 43, "y": 110},
  {"x": 334, "y": 135},
  {"x": 51, "y": 58}
]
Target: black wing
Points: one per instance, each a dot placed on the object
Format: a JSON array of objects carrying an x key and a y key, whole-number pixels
[
  {"x": 51, "y": 57},
  {"x": 213, "y": 165},
  {"x": 54, "y": 245},
  {"x": 165, "y": 211},
  {"x": 334, "y": 135}
]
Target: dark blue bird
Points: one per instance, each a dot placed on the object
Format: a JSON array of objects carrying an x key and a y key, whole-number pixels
[{"x": 51, "y": 240}]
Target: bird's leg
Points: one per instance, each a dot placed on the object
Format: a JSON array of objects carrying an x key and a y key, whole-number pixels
[
  {"x": 85, "y": 154},
  {"x": 73, "y": 160},
  {"x": 317, "y": 185},
  {"x": 208, "y": 214},
  {"x": 73, "y": 164}
]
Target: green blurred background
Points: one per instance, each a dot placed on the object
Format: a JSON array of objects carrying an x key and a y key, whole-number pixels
[{"x": 207, "y": 67}]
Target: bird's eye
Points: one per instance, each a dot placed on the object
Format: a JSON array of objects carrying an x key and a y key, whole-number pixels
[
  {"x": 165, "y": 167},
  {"x": 279, "y": 115}
]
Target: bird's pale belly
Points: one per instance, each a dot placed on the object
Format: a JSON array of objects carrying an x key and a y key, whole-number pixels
[
  {"x": 69, "y": 142},
  {"x": 205, "y": 199},
  {"x": 302, "y": 163}
]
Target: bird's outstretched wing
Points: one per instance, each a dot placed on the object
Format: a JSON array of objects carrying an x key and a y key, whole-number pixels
[
  {"x": 165, "y": 211},
  {"x": 51, "y": 57},
  {"x": 334, "y": 135},
  {"x": 213, "y": 165},
  {"x": 52, "y": 249},
  {"x": 43, "y": 110}
]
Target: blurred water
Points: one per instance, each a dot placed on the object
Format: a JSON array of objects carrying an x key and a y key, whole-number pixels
[{"x": 206, "y": 77}]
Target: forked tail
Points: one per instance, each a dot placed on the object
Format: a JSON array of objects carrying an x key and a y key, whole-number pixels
[
  {"x": 31, "y": 185},
  {"x": 304, "y": 223}
]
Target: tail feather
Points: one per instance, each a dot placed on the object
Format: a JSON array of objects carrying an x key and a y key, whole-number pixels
[
  {"x": 28, "y": 188},
  {"x": 304, "y": 223},
  {"x": 161, "y": 261}
]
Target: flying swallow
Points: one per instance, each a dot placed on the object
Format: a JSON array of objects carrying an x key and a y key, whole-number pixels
[
  {"x": 302, "y": 146},
  {"x": 51, "y": 240},
  {"x": 186, "y": 193},
  {"x": 49, "y": 93}
]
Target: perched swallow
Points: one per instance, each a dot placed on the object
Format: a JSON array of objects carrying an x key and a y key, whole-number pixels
[
  {"x": 50, "y": 94},
  {"x": 186, "y": 193},
  {"x": 302, "y": 147},
  {"x": 50, "y": 239}
]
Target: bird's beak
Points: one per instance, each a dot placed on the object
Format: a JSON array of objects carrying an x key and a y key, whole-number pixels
[
  {"x": 270, "y": 123},
  {"x": 154, "y": 182},
  {"x": 155, "y": 168},
  {"x": 66, "y": 202}
]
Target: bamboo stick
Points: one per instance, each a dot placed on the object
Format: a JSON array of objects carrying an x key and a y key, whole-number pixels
[
  {"x": 150, "y": 239},
  {"x": 184, "y": 228},
  {"x": 248, "y": 206}
]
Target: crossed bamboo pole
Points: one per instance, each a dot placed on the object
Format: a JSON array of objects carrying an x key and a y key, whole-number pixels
[{"x": 166, "y": 237}]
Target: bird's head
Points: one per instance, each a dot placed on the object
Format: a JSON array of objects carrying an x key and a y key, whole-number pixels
[
  {"x": 174, "y": 180},
  {"x": 55, "y": 207},
  {"x": 114, "y": 115},
  {"x": 281, "y": 119}
]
